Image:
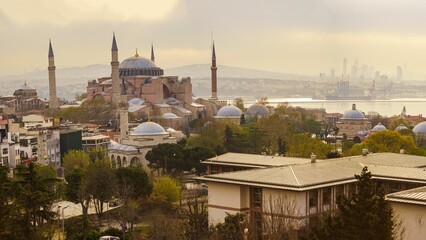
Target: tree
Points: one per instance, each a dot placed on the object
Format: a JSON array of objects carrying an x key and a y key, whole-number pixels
[
  {"x": 133, "y": 182},
  {"x": 239, "y": 103},
  {"x": 262, "y": 101},
  {"x": 168, "y": 188},
  {"x": 33, "y": 197},
  {"x": 302, "y": 145},
  {"x": 365, "y": 215},
  {"x": 74, "y": 159},
  {"x": 197, "y": 224},
  {"x": 232, "y": 228},
  {"x": 101, "y": 184},
  {"x": 77, "y": 192},
  {"x": 384, "y": 141}
]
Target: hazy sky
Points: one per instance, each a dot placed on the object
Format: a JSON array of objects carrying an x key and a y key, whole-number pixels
[{"x": 293, "y": 36}]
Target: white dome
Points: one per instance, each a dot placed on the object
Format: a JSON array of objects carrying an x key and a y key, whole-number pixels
[
  {"x": 400, "y": 127},
  {"x": 420, "y": 128},
  {"x": 229, "y": 112},
  {"x": 378, "y": 127},
  {"x": 136, "y": 101},
  {"x": 169, "y": 115},
  {"x": 353, "y": 114},
  {"x": 170, "y": 130},
  {"x": 148, "y": 128},
  {"x": 258, "y": 109}
]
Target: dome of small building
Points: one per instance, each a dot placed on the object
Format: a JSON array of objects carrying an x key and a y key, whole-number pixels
[
  {"x": 148, "y": 128},
  {"x": 169, "y": 115},
  {"x": 136, "y": 101},
  {"x": 378, "y": 127},
  {"x": 229, "y": 112},
  {"x": 363, "y": 133},
  {"x": 420, "y": 128},
  {"x": 353, "y": 114},
  {"x": 400, "y": 127},
  {"x": 137, "y": 65},
  {"x": 170, "y": 130},
  {"x": 258, "y": 109}
]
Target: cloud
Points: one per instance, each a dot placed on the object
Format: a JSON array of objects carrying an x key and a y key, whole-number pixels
[{"x": 70, "y": 11}]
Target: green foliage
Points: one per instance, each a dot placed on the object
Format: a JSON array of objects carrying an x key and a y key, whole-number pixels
[
  {"x": 174, "y": 156},
  {"x": 384, "y": 141},
  {"x": 232, "y": 228},
  {"x": 26, "y": 202},
  {"x": 75, "y": 159},
  {"x": 93, "y": 111},
  {"x": 100, "y": 183},
  {"x": 302, "y": 145},
  {"x": 239, "y": 103},
  {"x": 133, "y": 182},
  {"x": 365, "y": 215},
  {"x": 97, "y": 153},
  {"x": 168, "y": 188}
]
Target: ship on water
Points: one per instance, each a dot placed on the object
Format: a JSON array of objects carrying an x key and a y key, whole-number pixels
[{"x": 344, "y": 91}]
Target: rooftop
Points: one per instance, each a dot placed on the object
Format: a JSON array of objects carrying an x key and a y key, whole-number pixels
[
  {"x": 305, "y": 176},
  {"x": 412, "y": 196}
]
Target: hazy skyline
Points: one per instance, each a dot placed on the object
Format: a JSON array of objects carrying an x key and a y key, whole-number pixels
[{"x": 292, "y": 36}]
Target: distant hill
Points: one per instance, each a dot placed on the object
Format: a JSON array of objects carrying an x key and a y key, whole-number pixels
[
  {"x": 203, "y": 70},
  {"x": 74, "y": 80}
]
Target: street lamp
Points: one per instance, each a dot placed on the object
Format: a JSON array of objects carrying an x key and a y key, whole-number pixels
[{"x": 63, "y": 222}]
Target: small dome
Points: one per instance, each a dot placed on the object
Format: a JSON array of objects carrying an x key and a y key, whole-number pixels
[
  {"x": 353, "y": 114},
  {"x": 169, "y": 115},
  {"x": 378, "y": 127},
  {"x": 258, "y": 109},
  {"x": 170, "y": 130},
  {"x": 229, "y": 112},
  {"x": 400, "y": 127},
  {"x": 420, "y": 128},
  {"x": 363, "y": 133},
  {"x": 148, "y": 128},
  {"x": 136, "y": 101}
]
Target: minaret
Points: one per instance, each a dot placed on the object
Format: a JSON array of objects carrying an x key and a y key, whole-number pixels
[
  {"x": 123, "y": 110},
  {"x": 152, "y": 53},
  {"x": 53, "y": 99},
  {"x": 214, "y": 75},
  {"x": 115, "y": 99}
]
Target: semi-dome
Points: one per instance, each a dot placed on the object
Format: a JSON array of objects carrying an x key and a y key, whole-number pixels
[
  {"x": 353, "y": 114},
  {"x": 258, "y": 109},
  {"x": 136, "y": 102},
  {"x": 378, "y": 127},
  {"x": 420, "y": 128},
  {"x": 137, "y": 65},
  {"x": 229, "y": 112},
  {"x": 169, "y": 115},
  {"x": 400, "y": 127},
  {"x": 148, "y": 128}
]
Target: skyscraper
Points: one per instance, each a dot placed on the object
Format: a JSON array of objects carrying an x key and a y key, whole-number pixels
[
  {"x": 345, "y": 64},
  {"x": 399, "y": 73}
]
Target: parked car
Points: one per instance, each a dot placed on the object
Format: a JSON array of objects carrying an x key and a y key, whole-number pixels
[{"x": 109, "y": 238}]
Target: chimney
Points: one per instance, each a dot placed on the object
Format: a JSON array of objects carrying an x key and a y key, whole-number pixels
[
  {"x": 364, "y": 152},
  {"x": 313, "y": 158}
]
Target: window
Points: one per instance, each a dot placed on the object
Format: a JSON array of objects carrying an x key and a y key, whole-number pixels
[
  {"x": 326, "y": 196},
  {"x": 5, "y": 150},
  {"x": 256, "y": 197},
  {"x": 313, "y": 198},
  {"x": 340, "y": 190}
]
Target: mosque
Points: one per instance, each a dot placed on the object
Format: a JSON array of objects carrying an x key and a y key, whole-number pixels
[{"x": 152, "y": 94}]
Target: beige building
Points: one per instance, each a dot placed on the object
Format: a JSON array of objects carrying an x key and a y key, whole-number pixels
[
  {"x": 307, "y": 187},
  {"x": 132, "y": 148},
  {"x": 352, "y": 122},
  {"x": 410, "y": 208}
]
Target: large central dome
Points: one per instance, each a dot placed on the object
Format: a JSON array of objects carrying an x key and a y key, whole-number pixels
[{"x": 139, "y": 66}]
